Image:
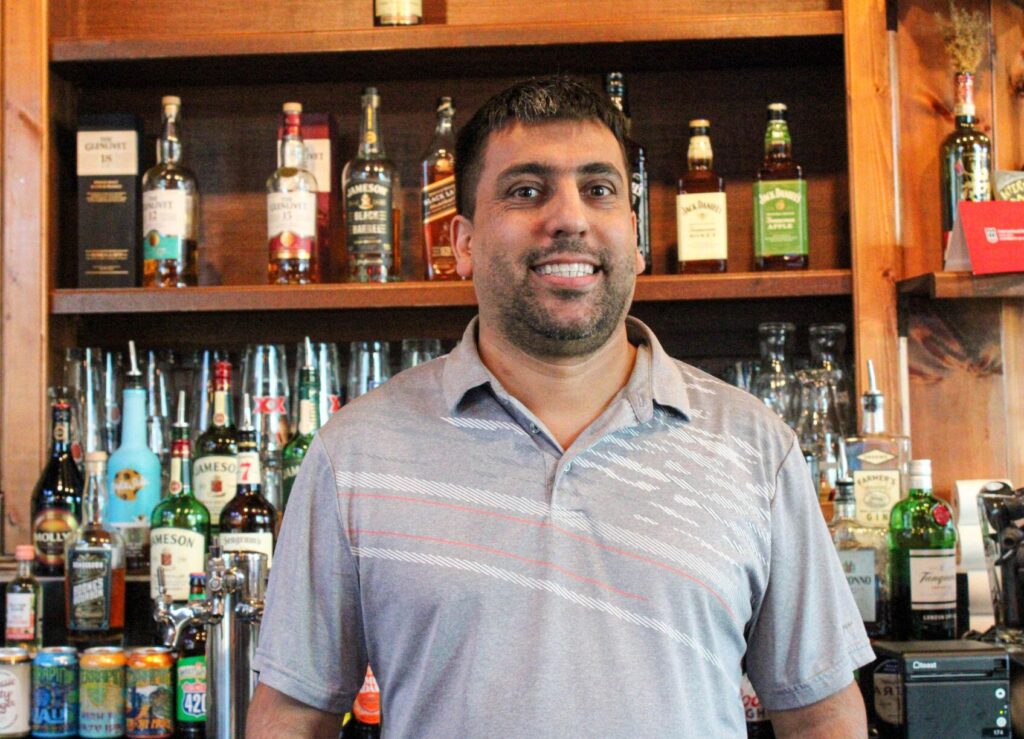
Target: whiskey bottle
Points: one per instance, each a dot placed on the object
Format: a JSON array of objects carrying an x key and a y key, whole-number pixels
[
  {"x": 23, "y": 600},
  {"x": 397, "y": 12},
  {"x": 922, "y": 561},
  {"x": 57, "y": 496},
  {"x": 780, "y": 200},
  {"x": 877, "y": 460},
  {"x": 309, "y": 421},
  {"x": 615, "y": 86},
  {"x": 190, "y": 671},
  {"x": 181, "y": 524},
  {"x": 291, "y": 209},
  {"x": 247, "y": 522},
  {"x": 216, "y": 466},
  {"x": 94, "y": 586},
  {"x": 864, "y": 556},
  {"x": 133, "y": 477},
  {"x": 372, "y": 215},
  {"x": 966, "y": 158},
  {"x": 170, "y": 209},
  {"x": 701, "y": 220},
  {"x": 438, "y": 192}
]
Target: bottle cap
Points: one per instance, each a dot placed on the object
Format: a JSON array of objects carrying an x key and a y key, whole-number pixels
[
  {"x": 292, "y": 107},
  {"x": 25, "y": 552},
  {"x": 445, "y": 103},
  {"x": 170, "y": 100},
  {"x": 96, "y": 456},
  {"x": 844, "y": 491},
  {"x": 920, "y": 474},
  {"x": 700, "y": 123},
  {"x": 777, "y": 111}
]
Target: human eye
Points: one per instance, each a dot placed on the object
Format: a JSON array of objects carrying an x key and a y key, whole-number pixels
[
  {"x": 600, "y": 190},
  {"x": 524, "y": 192}
]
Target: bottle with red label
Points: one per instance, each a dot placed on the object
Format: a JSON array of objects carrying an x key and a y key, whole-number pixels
[
  {"x": 291, "y": 209},
  {"x": 23, "y": 598},
  {"x": 57, "y": 496},
  {"x": 365, "y": 721}
]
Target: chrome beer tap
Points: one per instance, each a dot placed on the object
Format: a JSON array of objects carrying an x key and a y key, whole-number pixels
[{"x": 171, "y": 619}]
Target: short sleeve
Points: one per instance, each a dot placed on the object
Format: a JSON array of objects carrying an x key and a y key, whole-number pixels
[
  {"x": 311, "y": 643},
  {"x": 807, "y": 636}
]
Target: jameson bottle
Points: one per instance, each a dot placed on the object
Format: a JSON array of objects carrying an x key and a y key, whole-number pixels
[
  {"x": 309, "y": 422},
  {"x": 190, "y": 670},
  {"x": 133, "y": 476},
  {"x": 247, "y": 521},
  {"x": 291, "y": 209},
  {"x": 94, "y": 584},
  {"x": 57, "y": 496},
  {"x": 922, "y": 561},
  {"x": 216, "y": 465},
  {"x": 180, "y": 530},
  {"x": 966, "y": 158},
  {"x": 780, "y": 200},
  {"x": 170, "y": 209},
  {"x": 23, "y": 601},
  {"x": 864, "y": 556},
  {"x": 371, "y": 191},
  {"x": 615, "y": 86},
  {"x": 701, "y": 220},
  {"x": 438, "y": 182}
]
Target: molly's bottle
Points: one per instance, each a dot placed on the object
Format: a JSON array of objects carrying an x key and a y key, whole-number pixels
[
  {"x": 701, "y": 217},
  {"x": 216, "y": 467},
  {"x": 291, "y": 210},
  {"x": 438, "y": 182},
  {"x": 23, "y": 598},
  {"x": 780, "y": 200}
]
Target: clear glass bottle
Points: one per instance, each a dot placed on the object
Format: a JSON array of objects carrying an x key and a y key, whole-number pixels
[
  {"x": 309, "y": 422},
  {"x": 702, "y": 233},
  {"x": 438, "y": 183},
  {"x": 922, "y": 561},
  {"x": 291, "y": 209},
  {"x": 94, "y": 586},
  {"x": 819, "y": 431},
  {"x": 966, "y": 158},
  {"x": 170, "y": 209},
  {"x": 775, "y": 383},
  {"x": 780, "y": 200},
  {"x": 216, "y": 466},
  {"x": 372, "y": 193},
  {"x": 397, "y": 12},
  {"x": 615, "y": 86},
  {"x": 864, "y": 556},
  {"x": 23, "y": 598},
  {"x": 828, "y": 352}
]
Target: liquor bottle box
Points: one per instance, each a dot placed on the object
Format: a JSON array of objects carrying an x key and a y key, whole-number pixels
[{"x": 108, "y": 200}]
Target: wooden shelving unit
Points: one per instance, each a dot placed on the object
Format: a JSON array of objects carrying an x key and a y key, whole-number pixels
[{"x": 943, "y": 285}]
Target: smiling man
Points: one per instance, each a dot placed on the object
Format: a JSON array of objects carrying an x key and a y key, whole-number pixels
[{"x": 556, "y": 530}]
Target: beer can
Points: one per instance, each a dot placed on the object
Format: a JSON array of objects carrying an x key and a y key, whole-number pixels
[
  {"x": 101, "y": 693},
  {"x": 15, "y": 692},
  {"x": 149, "y": 694},
  {"x": 55, "y": 692}
]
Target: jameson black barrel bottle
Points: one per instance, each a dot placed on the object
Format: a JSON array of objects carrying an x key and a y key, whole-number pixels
[{"x": 57, "y": 496}]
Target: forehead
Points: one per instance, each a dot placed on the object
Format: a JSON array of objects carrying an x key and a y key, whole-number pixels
[{"x": 561, "y": 145}]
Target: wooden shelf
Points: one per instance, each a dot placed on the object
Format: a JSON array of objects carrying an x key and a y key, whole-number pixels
[
  {"x": 254, "y": 298},
  {"x": 941, "y": 285}
]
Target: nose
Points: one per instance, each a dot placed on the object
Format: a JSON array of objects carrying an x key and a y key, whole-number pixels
[{"x": 566, "y": 213}]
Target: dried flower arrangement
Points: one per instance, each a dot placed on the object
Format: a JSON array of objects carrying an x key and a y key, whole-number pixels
[{"x": 966, "y": 36}]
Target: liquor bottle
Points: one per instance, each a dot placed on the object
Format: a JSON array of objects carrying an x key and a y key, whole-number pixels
[
  {"x": 877, "y": 460},
  {"x": 181, "y": 524},
  {"x": 966, "y": 158},
  {"x": 397, "y": 12},
  {"x": 133, "y": 477},
  {"x": 309, "y": 421},
  {"x": 23, "y": 599},
  {"x": 438, "y": 192},
  {"x": 864, "y": 556},
  {"x": 94, "y": 584},
  {"x": 190, "y": 667},
  {"x": 247, "y": 521},
  {"x": 170, "y": 209},
  {"x": 780, "y": 200},
  {"x": 216, "y": 465},
  {"x": 922, "y": 561},
  {"x": 372, "y": 216},
  {"x": 615, "y": 86},
  {"x": 291, "y": 210},
  {"x": 759, "y": 726},
  {"x": 701, "y": 219},
  {"x": 57, "y": 496},
  {"x": 365, "y": 721}
]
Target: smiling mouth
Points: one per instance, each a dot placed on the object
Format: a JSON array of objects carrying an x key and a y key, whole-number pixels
[{"x": 566, "y": 269}]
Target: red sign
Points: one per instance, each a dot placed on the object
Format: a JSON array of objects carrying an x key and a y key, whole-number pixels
[{"x": 987, "y": 238}]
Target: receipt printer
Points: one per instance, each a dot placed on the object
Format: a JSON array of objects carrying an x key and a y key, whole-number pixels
[{"x": 934, "y": 689}]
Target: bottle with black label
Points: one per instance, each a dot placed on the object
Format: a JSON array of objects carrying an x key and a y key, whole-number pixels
[
  {"x": 639, "y": 198},
  {"x": 57, "y": 496}
]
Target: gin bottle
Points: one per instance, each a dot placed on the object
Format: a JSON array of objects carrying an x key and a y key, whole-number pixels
[
  {"x": 216, "y": 466},
  {"x": 23, "y": 599},
  {"x": 639, "y": 195},
  {"x": 780, "y": 200},
  {"x": 864, "y": 556},
  {"x": 309, "y": 422},
  {"x": 438, "y": 180},
  {"x": 291, "y": 210},
  {"x": 701, "y": 219}
]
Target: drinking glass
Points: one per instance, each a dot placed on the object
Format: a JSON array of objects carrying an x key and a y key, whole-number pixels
[
  {"x": 828, "y": 346},
  {"x": 819, "y": 430},
  {"x": 156, "y": 369},
  {"x": 83, "y": 375},
  {"x": 369, "y": 367},
  {"x": 775, "y": 384},
  {"x": 328, "y": 373},
  {"x": 418, "y": 351},
  {"x": 265, "y": 382}
]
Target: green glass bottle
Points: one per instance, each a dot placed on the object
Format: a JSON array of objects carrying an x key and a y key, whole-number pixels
[
  {"x": 309, "y": 421},
  {"x": 780, "y": 200},
  {"x": 180, "y": 532},
  {"x": 922, "y": 561},
  {"x": 216, "y": 465}
]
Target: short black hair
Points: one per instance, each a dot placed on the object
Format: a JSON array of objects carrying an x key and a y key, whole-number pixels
[{"x": 536, "y": 100}]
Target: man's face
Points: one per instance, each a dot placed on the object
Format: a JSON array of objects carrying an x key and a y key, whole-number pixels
[{"x": 552, "y": 243}]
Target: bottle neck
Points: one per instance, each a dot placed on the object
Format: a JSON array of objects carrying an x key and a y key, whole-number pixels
[
  {"x": 24, "y": 569},
  {"x": 60, "y": 431},
  {"x": 873, "y": 412},
  {"x": 170, "y": 143},
  {"x": 845, "y": 508},
  {"x": 369, "y": 131},
  {"x": 180, "y": 483},
  {"x": 963, "y": 108},
  {"x": 223, "y": 413},
  {"x": 699, "y": 155},
  {"x": 92, "y": 502},
  {"x": 133, "y": 417},
  {"x": 777, "y": 143},
  {"x": 920, "y": 490},
  {"x": 444, "y": 125}
]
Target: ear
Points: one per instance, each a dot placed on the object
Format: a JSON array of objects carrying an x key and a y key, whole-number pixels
[{"x": 462, "y": 243}]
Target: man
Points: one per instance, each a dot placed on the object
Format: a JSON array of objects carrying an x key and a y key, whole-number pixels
[{"x": 556, "y": 530}]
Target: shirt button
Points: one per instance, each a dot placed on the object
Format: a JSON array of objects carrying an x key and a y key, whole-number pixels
[{"x": 534, "y": 429}]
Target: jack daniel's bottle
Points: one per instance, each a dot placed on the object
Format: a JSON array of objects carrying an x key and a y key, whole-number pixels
[{"x": 701, "y": 219}]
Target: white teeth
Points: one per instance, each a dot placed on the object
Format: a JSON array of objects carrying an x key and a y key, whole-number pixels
[{"x": 574, "y": 269}]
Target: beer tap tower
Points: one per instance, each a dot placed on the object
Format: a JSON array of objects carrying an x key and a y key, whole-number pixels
[{"x": 235, "y": 587}]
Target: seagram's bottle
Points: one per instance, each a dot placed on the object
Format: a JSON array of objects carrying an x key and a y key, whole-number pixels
[
  {"x": 216, "y": 466},
  {"x": 701, "y": 217},
  {"x": 23, "y": 601},
  {"x": 309, "y": 422},
  {"x": 291, "y": 209},
  {"x": 966, "y": 158},
  {"x": 170, "y": 209},
  {"x": 780, "y": 200},
  {"x": 615, "y": 86},
  {"x": 372, "y": 214},
  {"x": 438, "y": 181}
]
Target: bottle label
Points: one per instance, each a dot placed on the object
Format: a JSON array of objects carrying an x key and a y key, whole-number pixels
[
  {"x": 107, "y": 153},
  {"x": 367, "y": 704},
  {"x": 398, "y": 11},
  {"x": 256, "y": 541},
  {"x": 174, "y": 486},
  {"x": 101, "y": 711},
  {"x": 21, "y": 617},
  {"x": 307, "y": 417},
  {"x": 89, "y": 576},
  {"x": 975, "y": 179},
  {"x": 752, "y": 708},
  {"x": 136, "y": 541},
  {"x": 192, "y": 689},
  {"x": 249, "y": 469},
  {"x": 126, "y": 484},
  {"x": 889, "y": 693},
  {"x": 179, "y": 552},
  {"x": 166, "y": 223},
  {"x": 50, "y": 530},
  {"x": 368, "y": 223},
  {"x": 780, "y": 218},
  {"x": 220, "y": 408},
  {"x": 859, "y": 568},
  {"x": 702, "y": 226},
  {"x": 439, "y": 199},
  {"x": 291, "y": 224},
  {"x": 318, "y": 161},
  {"x": 215, "y": 482},
  {"x": 876, "y": 491},
  {"x": 932, "y": 579}
]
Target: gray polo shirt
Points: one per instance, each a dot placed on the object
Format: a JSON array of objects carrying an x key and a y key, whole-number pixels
[{"x": 502, "y": 586}]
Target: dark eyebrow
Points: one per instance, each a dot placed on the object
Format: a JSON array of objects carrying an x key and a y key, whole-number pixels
[{"x": 543, "y": 170}]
